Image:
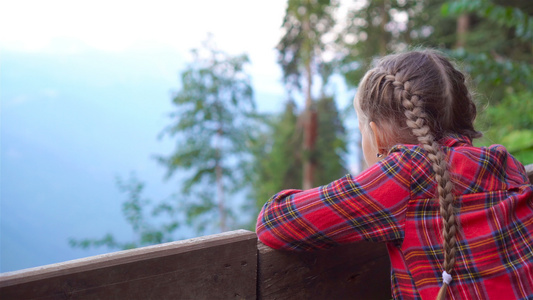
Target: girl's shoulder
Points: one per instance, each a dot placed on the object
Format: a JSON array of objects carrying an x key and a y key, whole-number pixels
[{"x": 469, "y": 163}]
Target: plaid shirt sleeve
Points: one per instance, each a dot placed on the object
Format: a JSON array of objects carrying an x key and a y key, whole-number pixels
[
  {"x": 369, "y": 207},
  {"x": 394, "y": 201}
]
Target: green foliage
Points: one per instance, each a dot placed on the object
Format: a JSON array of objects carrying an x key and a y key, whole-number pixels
[
  {"x": 499, "y": 47},
  {"x": 279, "y": 155},
  {"x": 510, "y": 17},
  {"x": 510, "y": 123},
  {"x": 305, "y": 24},
  {"x": 489, "y": 73},
  {"x": 213, "y": 125},
  {"x": 213, "y": 119},
  {"x": 380, "y": 27},
  {"x": 278, "y": 160},
  {"x": 134, "y": 210},
  {"x": 497, "y": 43},
  {"x": 331, "y": 147}
]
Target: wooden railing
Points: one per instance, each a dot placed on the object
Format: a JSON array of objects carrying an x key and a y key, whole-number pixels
[{"x": 231, "y": 265}]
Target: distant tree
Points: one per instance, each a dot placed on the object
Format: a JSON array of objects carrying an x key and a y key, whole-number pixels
[
  {"x": 372, "y": 30},
  {"x": 214, "y": 125},
  {"x": 150, "y": 228},
  {"x": 214, "y": 116},
  {"x": 278, "y": 156},
  {"x": 305, "y": 24},
  {"x": 498, "y": 45},
  {"x": 331, "y": 148}
]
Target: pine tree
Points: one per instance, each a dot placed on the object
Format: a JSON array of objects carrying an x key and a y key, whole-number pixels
[
  {"x": 331, "y": 146},
  {"x": 306, "y": 22},
  {"x": 212, "y": 122},
  {"x": 213, "y": 125},
  {"x": 278, "y": 156}
]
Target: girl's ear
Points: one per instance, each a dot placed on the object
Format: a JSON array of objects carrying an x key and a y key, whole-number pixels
[{"x": 377, "y": 135}]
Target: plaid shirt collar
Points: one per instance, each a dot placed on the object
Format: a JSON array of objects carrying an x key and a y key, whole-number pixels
[
  {"x": 452, "y": 140},
  {"x": 455, "y": 140}
]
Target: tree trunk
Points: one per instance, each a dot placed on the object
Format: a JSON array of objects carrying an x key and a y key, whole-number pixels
[
  {"x": 463, "y": 25},
  {"x": 309, "y": 122},
  {"x": 310, "y": 136},
  {"x": 384, "y": 21},
  {"x": 220, "y": 183}
]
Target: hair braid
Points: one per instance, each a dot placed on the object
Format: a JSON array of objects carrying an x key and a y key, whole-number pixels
[{"x": 417, "y": 122}]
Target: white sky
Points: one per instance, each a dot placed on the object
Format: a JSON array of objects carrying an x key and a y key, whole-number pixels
[
  {"x": 66, "y": 26},
  {"x": 70, "y": 26},
  {"x": 115, "y": 25}
]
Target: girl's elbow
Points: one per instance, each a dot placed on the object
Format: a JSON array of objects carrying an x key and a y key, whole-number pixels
[{"x": 267, "y": 238}]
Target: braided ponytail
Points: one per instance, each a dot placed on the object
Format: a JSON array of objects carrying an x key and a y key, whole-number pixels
[
  {"x": 416, "y": 120},
  {"x": 423, "y": 97}
]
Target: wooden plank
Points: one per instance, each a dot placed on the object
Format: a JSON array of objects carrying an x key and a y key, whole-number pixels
[
  {"x": 357, "y": 271},
  {"x": 529, "y": 171},
  {"x": 212, "y": 267}
]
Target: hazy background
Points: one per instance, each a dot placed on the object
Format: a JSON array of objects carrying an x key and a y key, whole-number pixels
[{"x": 85, "y": 89}]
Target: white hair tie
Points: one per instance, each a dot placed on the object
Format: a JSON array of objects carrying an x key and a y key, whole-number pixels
[{"x": 447, "y": 278}]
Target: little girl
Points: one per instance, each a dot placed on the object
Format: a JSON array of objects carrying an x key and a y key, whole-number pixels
[{"x": 457, "y": 219}]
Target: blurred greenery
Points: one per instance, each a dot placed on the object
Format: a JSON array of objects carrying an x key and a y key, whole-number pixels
[
  {"x": 301, "y": 49},
  {"x": 212, "y": 125},
  {"x": 143, "y": 225},
  {"x": 278, "y": 163},
  {"x": 510, "y": 123}
]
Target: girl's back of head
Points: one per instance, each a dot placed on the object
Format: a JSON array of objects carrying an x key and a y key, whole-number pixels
[{"x": 428, "y": 79}]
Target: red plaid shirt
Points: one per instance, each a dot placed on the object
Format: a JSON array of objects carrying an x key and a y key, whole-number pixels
[{"x": 394, "y": 202}]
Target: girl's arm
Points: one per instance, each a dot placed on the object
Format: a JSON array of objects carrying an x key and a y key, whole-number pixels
[{"x": 370, "y": 207}]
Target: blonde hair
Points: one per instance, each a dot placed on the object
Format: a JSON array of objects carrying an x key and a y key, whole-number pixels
[{"x": 419, "y": 97}]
